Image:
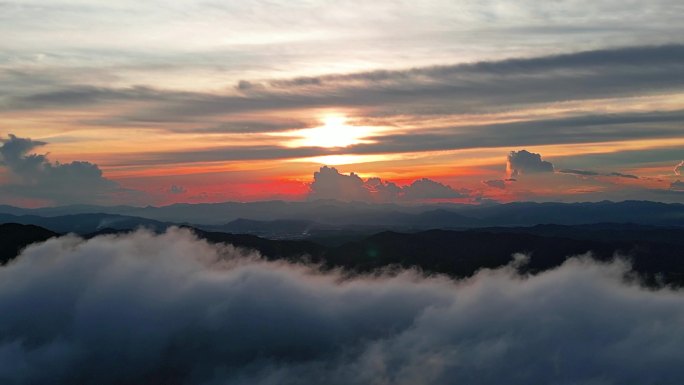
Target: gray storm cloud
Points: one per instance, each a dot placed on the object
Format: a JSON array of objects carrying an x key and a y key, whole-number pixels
[
  {"x": 172, "y": 309},
  {"x": 35, "y": 176},
  {"x": 525, "y": 162}
]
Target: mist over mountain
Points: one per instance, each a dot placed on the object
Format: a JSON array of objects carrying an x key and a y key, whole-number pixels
[
  {"x": 363, "y": 237},
  {"x": 654, "y": 252},
  {"x": 360, "y": 294},
  {"x": 141, "y": 308}
]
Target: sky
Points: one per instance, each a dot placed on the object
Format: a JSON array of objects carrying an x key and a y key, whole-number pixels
[{"x": 159, "y": 102}]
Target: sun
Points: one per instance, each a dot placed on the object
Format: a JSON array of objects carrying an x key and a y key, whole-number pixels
[{"x": 335, "y": 132}]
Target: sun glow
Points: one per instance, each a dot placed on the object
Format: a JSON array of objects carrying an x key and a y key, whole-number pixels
[
  {"x": 338, "y": 160},
  {"x": 335, "y": 132}
]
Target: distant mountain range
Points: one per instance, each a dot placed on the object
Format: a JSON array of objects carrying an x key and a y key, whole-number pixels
[
  {"x": 85, "y": 223},
  {"x": 450, "y": 239},
  {"x": 278, "y": 219}
]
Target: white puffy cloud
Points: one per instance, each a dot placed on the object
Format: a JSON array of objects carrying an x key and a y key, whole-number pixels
[
  {"x": 329, "y": 183},
  {"x": 35, "y": 176},
  {"x": 144, "y": 308},
  {"x": 525, "y": 162},
  {"x": 382, "y": 191}
]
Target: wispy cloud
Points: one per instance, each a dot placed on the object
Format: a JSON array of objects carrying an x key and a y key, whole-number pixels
[{"x": 462, "y": 88}]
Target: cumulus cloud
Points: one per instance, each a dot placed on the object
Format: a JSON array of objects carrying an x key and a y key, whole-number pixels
[
  {"x": 424, "y": 189},
  {"x": 381, "y": 190},
  {"x": 329, "y": 183},
  {"x": 35, "y": 176},
  {"x": 525, "y": 162},
  {"x": 679, "y": 168},
  {"x": 144, "y": 308}
]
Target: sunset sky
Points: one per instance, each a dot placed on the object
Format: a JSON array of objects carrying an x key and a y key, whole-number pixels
[{"x": 157, "y": 102}]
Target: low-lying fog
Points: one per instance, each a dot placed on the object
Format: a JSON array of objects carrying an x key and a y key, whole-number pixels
[{"x": 172, "y": 309}]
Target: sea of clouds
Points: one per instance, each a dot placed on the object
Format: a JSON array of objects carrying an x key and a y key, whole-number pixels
[{"x": 171, "y": 309}]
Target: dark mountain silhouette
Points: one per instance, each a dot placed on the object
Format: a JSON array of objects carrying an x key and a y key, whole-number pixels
[
  {"x": 295, "y": 250},
  {"x": 15, "y": 237},
  {"x": 529, "y": 214},
  {"x": 391, "y": 216},
  {"x": 657, "y": 254},
  {"x": 462, "y": 253},
  {"x": 84, "y": 223},
  {"x": 622, "y": 232},
  {"x": 279, "y": 228}
]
